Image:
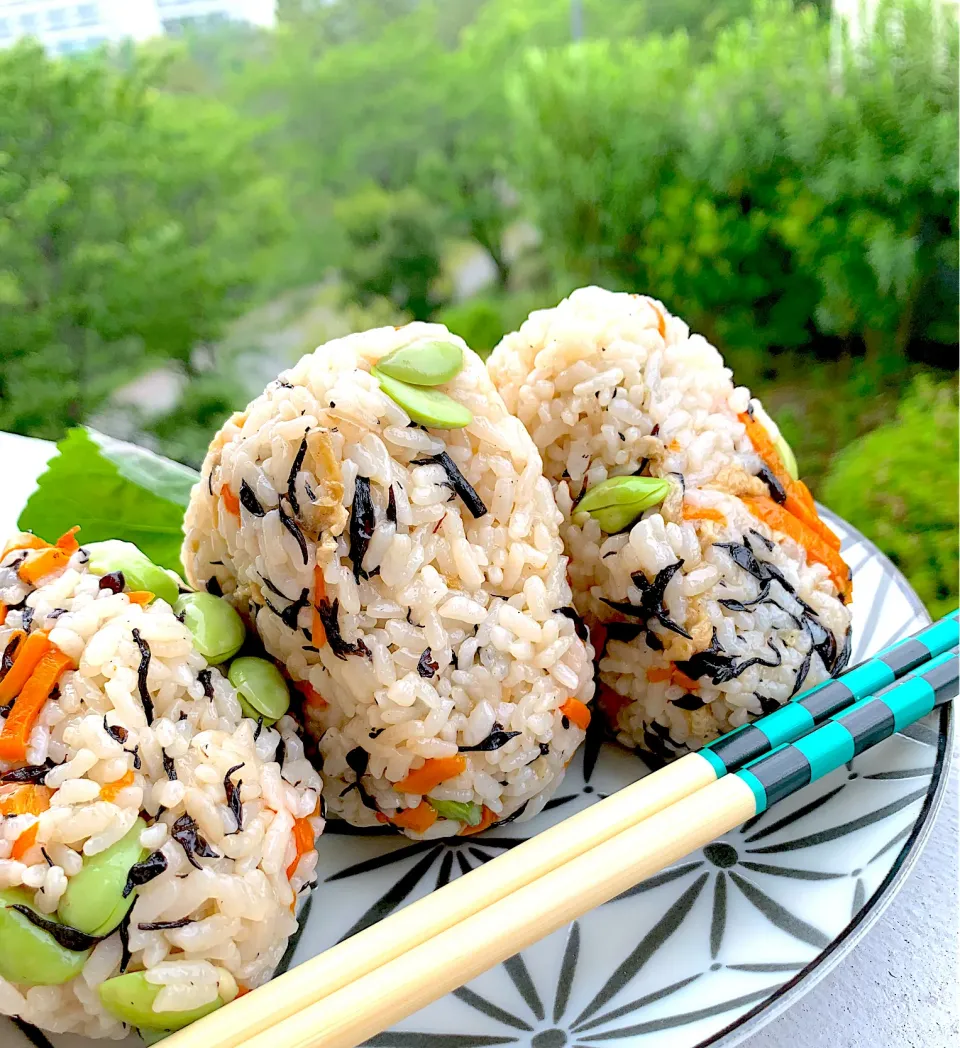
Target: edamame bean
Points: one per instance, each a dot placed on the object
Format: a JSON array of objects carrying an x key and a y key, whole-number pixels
[
  {"x": 93, "y": 901},
  {"x": 616, "y": 503},
  {"x": 462, "y": 811},
  {"x": 787, "y": 457},
  {"x": 29, "y": 954},
  {"x": 217, "y": 630},
  {"x": 429, "y": 407},
  {"x": 261, "y": 689},
  {"x": 424, "y": 363},
  {"x": 139, "y": 572},
  {"x": 130, "y": 998}
]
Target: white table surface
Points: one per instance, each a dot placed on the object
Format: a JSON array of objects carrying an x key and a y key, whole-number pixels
[{"x": 899, "y": 986}]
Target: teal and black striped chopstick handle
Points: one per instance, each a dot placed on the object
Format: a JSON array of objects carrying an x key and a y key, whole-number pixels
[
  {"x": 792, "y": 766},
  {"x": 802, "y": 714}
]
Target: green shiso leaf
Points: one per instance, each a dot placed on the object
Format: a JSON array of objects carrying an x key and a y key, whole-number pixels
[{"x": 113, "y": 490}]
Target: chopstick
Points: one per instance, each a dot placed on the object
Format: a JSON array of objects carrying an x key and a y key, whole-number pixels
[
  {"x": 429, "y": 917},
  {"x": 405, "y": 984}
]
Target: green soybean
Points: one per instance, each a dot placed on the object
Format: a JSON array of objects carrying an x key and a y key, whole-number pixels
[
  {"x": 130, "y": 998},
  {"x": 787, "y": 457},
  {"x": 29, "y": 954},
  {"x": 429, "y": 407},
  {"x": 424, "y": 363},
  {"x": 139, "y": 572},
  {"x": 461, "y": 811},
  {"x": 261, "y": 689},
  {"x": 217, "y": 630},
  {"x": 93, "y": 901},
  {"x": 616, "y": 503}
]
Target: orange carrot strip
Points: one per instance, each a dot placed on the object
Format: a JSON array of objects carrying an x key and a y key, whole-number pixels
[
  {"x": 140, "y": 596},
  {"x": 680, "y": 678},
  {"x": 230, "y": 500},
  {"x": 656, "y": 674},
  {"x": 417, "y": 819},
  {"x": 20, "y": 720},
  {"x": 67, "y": 541},
  {"x": 42, "y": 563},
  {"x": 28, "y": 655},
  {"x": 577, "y": 713},
  {"x": 779, "y": 519},
  {"x": 303, "y": 838},
  {"x": 109, "y": 790},
  {"x": 488, "y": 818},
  {"x": 25, "y": 800},
  {"x": 24, "y": 541},
  {"x": 318, "y": 633},
  {"x": 3, "y": 613},
  {"x": 380, "y": 817},
  {"x": 661, "y": 323},
  {"x": 433, "y": 772},
  {"x": 311, "y": 696},
  {"x": 611, "y": 702},
  {"x": 703, "y": 513},
  {"x": 24, "y": 843}
]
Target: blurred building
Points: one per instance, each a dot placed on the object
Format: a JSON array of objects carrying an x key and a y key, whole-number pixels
[{"x": 66, "y": 27}]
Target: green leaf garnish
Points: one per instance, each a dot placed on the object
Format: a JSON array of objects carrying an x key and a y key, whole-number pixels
[
  {"x": 113, "y": 490},
  {"x": 459, "y": 811}
]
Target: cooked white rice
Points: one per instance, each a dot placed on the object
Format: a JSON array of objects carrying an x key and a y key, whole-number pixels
[
  {"x": 474, "y": 597},
  {"x": 611, "y": 385},
  {"x": 242, "y": 903}
]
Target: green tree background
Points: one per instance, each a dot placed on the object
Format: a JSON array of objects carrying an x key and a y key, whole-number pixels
[{"x": 210, "y": 208}]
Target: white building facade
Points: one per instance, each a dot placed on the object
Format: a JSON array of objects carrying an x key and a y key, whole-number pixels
[{"x": 68, "y": 26}]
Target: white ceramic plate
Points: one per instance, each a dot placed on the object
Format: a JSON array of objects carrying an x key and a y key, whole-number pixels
[{"x": 702, "y": 954}]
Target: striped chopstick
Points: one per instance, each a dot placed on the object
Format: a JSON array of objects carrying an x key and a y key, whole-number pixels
[
  {"x": 426, "y": 918},
  {"x": 395, "y": 989}
]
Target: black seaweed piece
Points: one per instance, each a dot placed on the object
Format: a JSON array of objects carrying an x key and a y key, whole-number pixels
[
  {"x": 391, "y": 506},
  {"x": 330, "y": 617},
  {"x": 376, "y": 732},
  {"x": 767, "y": 705},
  {"x": 761, "y": 570},
  {"x": 233, "y": 794},
  {"x": 47, "y": 859},
  {"x": 357, "y": 760},
  {"x": 497, "y": 738},
  {"x": 362, "y": 522},
  {"x": 26, "y": 619},
  {"x": 656, "y": 745},
  {"x": 56, "y": 613},
  {"x": 210, "y": 483},
  {"x": 145, "y": 699},
  {"x": 763, "y": 538},
  {"x": 136, "y": 757},
  {"x": 124, "y": 932},
  {"x": 544, "y": 748},
  {"x": 280, "y": 753},
  {"x": 777, "y": 491},
  {"x": 9, "y": 653},
  {"x": 291, "y": 613},
  {"x": 291, "y": 525},
  {"x": 843, "y": 656},
  {"x": 67, "y": 937},
  {"x": 213, "y": 587},
  {"x": 682, "y": 478},
  {"x": 624, "y": 631},
  {"x": 169, "y": 767},
  {"x": 662, "y": 731},
  {"x": 428, "y": 666},
  {"x": 115, "y": 732},
  {"x": 651, "y": 599},
  {"x": 292, "y": 476},
  {"x": 143, "y": 872},
  {"x": 746, "y": 605},
  {"x": 513, "y": 815},
  {"x": 206, "y": 682},
  {"x": 249, "y": 501},
  {"x": 461, "y": 485},
  {"x": 689, "y": 702},
  {"x": 186, "y": 834},
  {"x": 719, "y": 666},
  {"x": 14, "y": 564},
  {"x": 579, "y": 626},
  {"x": 34, "y": 773},
  {"x": 638, "y": 472},
  {"x": 164, "y": 926},
  {"x": 273, "y": 589},
  {"x": 113, "y": 581},
  {"x": 822, "y": 640},
  {"x": 259, "y": 728},
  {"x": 565, "y": 721},
  {"x": 801, "y": 674}
]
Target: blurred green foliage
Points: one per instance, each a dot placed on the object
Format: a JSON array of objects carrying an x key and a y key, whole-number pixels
[{"x": 898, "y": 485}]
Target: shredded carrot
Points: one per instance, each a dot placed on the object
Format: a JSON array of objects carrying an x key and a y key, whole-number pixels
[
  {"x": 3, "y": 613},
  {"x": 241, "y": 990},
  {"x": 657, "y": 674},
  {"x": 802, "y": 493},
  {"x": 679, "y": 677},
  {"x": 25, "y": 799},
  {"x": 611, "y": 702},
  {"x": 433, "y": 772},
  {"x": 674, "y": 445},
  {"x": 24, "y": 541},
  {"x": 311, "y": 696},
  {"x": 28, "y": 655},
  {"x": 140, "y": 596},
  {"x": 380, "y": 817},
  {"x": 67, "y": 541},
  {"x": 230, "y": 501},
  {"x": 303, "y": 839},
  {"x": 109, "y": 790},
  {"x": 777, "y": 517},
  {"x": 488, "y": 818},
  {"x": 24, "y": 843},
  {"x": 20, "y": 720},
  {"x": 417, "y": 819},
  {"x": 661, "y": 323},
  {"x": 42, "y": 563},
  {"x": 318, "y": 633},
  {"x": 577, "y": 713},
  {"x": 703, "y": 513}
]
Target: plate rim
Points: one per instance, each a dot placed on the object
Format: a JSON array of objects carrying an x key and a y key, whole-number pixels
[{"x": 755, "y": 1018}]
